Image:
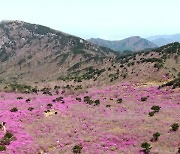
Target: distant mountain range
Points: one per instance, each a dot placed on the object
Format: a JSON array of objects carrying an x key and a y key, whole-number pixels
[
  {"x": 134, "y": 43},
  {"x": 161, "y": 40}
]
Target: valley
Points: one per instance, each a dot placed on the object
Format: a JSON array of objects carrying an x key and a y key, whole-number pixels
[{"x": 62, "y": 94}]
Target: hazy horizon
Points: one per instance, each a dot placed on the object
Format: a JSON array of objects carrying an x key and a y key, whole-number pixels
[{"x": 111, "y": 19}]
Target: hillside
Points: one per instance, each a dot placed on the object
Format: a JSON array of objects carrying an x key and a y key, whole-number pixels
[
  {"x": 113, "y": 119},
  {"x": 62, "y": 94},
  {"x": 161, "y": 40},
  {"x": 126, "y": 104},
  {"x": 34, "y": 52},
  {"x": 135, "y": 43},
  {"x": 154, "y": 67}
]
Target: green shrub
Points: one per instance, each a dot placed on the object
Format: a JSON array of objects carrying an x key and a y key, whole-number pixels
[
  {"x": 178, "y": 75},
  {"x": 78, "y": 99},
  {"x": 151, "y": 114},
  {"x": 97, "y": 102},
  {"x": 56, "y": 87},
  {"x": 14, "y": 109},
  {"x": 158, "y": 65},
  {"x": 146, "y": 147},
  {"x": 19, "y": 98},
  {"x": 47, "y": 111},
  {"x": 20, "y": 88},
  {"x": 156, "y": 108},
  {"x": 78, "y": 87},
  {"x": 143, "y": 99},
  {"x": 21, "y": 61},
  {"x": 49, "y": 105},
  {"x": 47, "y": 93},
  {"x": 58, "y": 99},
  {"x": 4, "y": 56},
  {"x": 109, "y": 69},
  {"x": 2, "y": 148},
  {"x": 86, "y": 98},
  {"x": 108, "y": 106},
  {"x": 90, "y": 102},
  {"x": 119, "y": 100},
  {"x": 28, "y": 100},
  {"x": 30, "y": 108},
  {"x": 77, "y": 149},
  {"x": 174, "y": 83},
  {"x": 111, "y": 80},
  {"x": 175, "y": 127},
  {"x": 156, "y": 136},
  {"x": 8, "y": 137},
  {"x": 34, "y": 90},
  {"x": 152, "y": 60},
  {"x": 78, "y": 80}
]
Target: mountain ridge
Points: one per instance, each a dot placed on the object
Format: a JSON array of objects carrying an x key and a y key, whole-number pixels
[
  {"x": 161, "y": 40},
  {"x": 31, "y": 48},
  {"x": 35, "y": 53},
  {"x": 134, "y": 43}
]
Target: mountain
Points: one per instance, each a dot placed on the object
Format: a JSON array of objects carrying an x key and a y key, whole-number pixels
[
  {"x": 32, "y": 51},
  {"x": 161, "y": 40},
  {"x": 61, "y": 94},
  {"x": 134, "y": 43}
]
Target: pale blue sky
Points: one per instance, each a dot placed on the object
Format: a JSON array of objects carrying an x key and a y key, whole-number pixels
[{"x": 108, "y": 19}]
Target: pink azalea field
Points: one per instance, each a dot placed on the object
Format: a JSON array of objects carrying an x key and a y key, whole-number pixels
[{"x": 118, "y": 124}]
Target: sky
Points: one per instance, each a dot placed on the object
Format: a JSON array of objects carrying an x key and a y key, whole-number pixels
[{"x": 107, "y": 19}]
